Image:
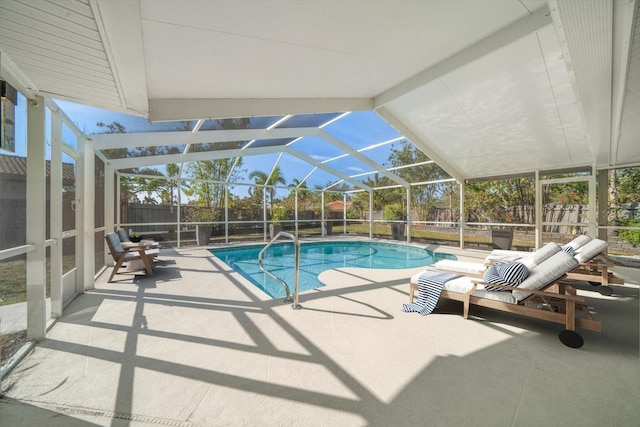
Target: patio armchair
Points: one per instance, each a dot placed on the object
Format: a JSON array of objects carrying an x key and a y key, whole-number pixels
[
  {"x": 130, "y": 254},
  {"x": 541, "y": 295}
]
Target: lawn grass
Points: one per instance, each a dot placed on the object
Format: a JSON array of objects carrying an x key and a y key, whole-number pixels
[{"x": 13, "y": 279}]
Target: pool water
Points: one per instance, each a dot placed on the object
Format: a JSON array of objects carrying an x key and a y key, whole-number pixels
[{"x": 316, "y": 257}]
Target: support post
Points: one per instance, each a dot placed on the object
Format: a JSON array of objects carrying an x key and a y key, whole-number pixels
[
  {"x": 87, "y": 222},
  {"x": 408, "y": 214},
  {"x": 603, "y": 204},
  {"x": 344, "y": 213},
  {"x": 461, "y": 219},
  {"x": 55, "y": 183},
  {"x": 264, "y": 213},
  {"x": 538, "y": 237},
  {"x": 371, "y": 214},
  {"x": 179, "y": 213},
  {"x": 226, "y": 214},
  {"x": 119, "y": 208},
  {"x": 36, "y": 218},
  {"x": 296, "y": 212},
  {"x": 109, "y": 208},
  {"x": 593, "y": 215},
  {"x": 322, "y": 214}
]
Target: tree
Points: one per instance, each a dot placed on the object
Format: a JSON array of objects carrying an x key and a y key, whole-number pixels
[
  {"x": 204, "y": 191},
  {"x": 507, "y": 200},
  {"x": 384, "y": 196},
  {"x": 138, "y": 189},
  {"x": 626, "y": 189},
  {"x": 134, "y": 189},
  {"x": 424, "y": 197},
  {"x": 628, "y": 185},
  {"x": 208, "y": 176},
  {"x": 262, "y": 179}
]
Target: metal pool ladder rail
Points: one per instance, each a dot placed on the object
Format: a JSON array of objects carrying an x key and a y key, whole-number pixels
[{"x": 295, "y": 305}]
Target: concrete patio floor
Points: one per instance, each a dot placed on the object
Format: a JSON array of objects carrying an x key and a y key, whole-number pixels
[{"x": 197, "y": 345}]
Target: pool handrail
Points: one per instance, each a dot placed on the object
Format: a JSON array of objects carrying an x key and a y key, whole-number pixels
[{"x": 296, "y": 243}]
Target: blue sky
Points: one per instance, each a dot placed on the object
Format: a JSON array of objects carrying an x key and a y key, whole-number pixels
[{"x": 358, "y": 129}]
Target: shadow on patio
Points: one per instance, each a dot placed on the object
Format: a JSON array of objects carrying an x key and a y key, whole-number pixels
[{"x": 198, "y": 345}]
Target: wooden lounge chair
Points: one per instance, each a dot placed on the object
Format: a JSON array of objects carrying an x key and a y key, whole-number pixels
[
  {"x": 593, "y": 264},
  {"x": 500, "y": 254},
  {"x": 542, "y": 295},
  {"x": 120, "y": 255},
  {"x": 477, "y": 269}
]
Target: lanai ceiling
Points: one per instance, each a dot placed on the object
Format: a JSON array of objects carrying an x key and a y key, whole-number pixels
[{"x": 485, "y": 88}]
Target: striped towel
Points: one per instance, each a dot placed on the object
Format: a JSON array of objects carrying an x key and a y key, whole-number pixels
[{"x": 430, "y": 285}]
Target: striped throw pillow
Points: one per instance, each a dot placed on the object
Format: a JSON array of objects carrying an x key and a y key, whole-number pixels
[
  {"x": 511, "y": 274},
  {"x": 569, "y": 249},
  {"x": 491, "y": 276}
]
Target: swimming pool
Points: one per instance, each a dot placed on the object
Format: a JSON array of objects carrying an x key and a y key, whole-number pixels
[{"x": 316, "y": 257}]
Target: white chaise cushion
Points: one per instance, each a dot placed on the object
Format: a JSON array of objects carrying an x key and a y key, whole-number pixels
[
  {"x": 590, "y": 250},
  {"x": 579, "y": 241},
  {"x": 545, "y": 273},
  {"x": 540, "y": 255},
  {"x": 464, "y": 284},
  {"x": 463, "y": 267}
]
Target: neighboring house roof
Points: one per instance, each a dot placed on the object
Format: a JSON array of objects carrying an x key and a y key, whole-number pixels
[
  {"x": 16, "y": 165},
  {"x": 337, "y": 205}
]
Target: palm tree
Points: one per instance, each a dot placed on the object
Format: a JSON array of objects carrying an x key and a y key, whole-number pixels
[
  {"x": 261, "y": 178},
  {"x": 295, "y": 182},
  {"x": 381, "y": 197}
]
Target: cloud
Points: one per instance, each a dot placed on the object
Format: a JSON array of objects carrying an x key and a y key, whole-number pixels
[{"x": 354, "y": 169}]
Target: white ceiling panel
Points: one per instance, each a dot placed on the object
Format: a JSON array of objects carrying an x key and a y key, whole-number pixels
[
  {"x": 485, "y": 87},
  {"x": 389, "y": 31},
  {"x": 499, "y": 109},
  {"x": 218, "y": 67}
]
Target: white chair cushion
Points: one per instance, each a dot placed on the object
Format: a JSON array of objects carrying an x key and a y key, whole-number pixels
[
  {"x": 461, "y": 284},
  {"x": 136, "y": 255},
  {"x": 579, "y": 241},
  {"x": 497, "y": 296},
  {"x": 498, "y": 253},
  {"x": 540, "y": 255},
  {"x": 545, "y": 273},
  {"x": 464, "y": 284},
  {"x": 464, "y": 267},
  {"x": 590, "y": 250}
]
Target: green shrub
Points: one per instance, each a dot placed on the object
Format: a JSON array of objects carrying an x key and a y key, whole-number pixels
[
  {"x": 393, "y": 212},
  {"x": 630, "y": 236}
]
